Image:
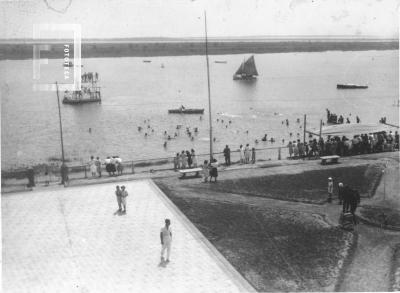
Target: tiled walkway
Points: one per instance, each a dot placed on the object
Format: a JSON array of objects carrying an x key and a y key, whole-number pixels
[{"x": 71, "y": 240}]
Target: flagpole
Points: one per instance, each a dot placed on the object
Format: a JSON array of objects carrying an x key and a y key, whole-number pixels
[
  {"x": 63, "y": 166},
  {"x": 209, "y": 92}
]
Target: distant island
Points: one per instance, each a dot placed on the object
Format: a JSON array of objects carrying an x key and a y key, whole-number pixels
[{"x": 149, "y": 47}]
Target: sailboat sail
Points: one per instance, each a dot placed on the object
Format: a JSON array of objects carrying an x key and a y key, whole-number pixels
[{"x": 247, "y": 68}]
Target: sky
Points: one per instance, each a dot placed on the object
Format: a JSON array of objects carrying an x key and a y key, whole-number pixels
[{"x": 184, "y": 18}]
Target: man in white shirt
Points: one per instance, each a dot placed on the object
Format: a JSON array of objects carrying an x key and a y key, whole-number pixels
[
  {"x": 330, "y": 189},
  {"x": 124, "y": 195},
  {"x": 166, "y": 239}
]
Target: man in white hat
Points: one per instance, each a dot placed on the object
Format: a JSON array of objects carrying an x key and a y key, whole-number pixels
[
  {"x": 340, "y": 193},
  {"x": 330, "y": 189}
]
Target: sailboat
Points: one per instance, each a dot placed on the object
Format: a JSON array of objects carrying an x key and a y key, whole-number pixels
[{"x": 247, "y": 70}]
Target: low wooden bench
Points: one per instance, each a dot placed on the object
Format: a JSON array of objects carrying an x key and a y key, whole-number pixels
[
  {"x": 332, "y": 159},
  {"x": 192, "y": 170}
]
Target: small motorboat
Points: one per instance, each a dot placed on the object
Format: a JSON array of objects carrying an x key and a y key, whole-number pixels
[
  {"x": 183, "y": 110},
  {"x": 350, "y": 86}
]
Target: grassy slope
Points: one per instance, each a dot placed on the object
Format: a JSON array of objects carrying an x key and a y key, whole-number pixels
[
  {"x": 310, "y": 186},
  {"x": 273, "y": 249}
]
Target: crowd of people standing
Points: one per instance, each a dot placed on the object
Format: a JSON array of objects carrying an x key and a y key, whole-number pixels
[
  {"x": 185, "y": 159},
  {"x": 343, "y": 146},
  {"x": 113, "y": 166}
]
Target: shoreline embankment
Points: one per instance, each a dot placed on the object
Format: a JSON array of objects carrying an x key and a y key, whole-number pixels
[{"x": 23, "y": 51}]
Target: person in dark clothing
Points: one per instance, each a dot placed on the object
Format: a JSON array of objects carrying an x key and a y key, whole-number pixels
[
  {"x": 189, "y": 157},
  {"x": 354, "y": 202},
  {"x": 213, "y": 170},
  {"x": 227, "y": 155},
  {"x": 347, "y": 193}
]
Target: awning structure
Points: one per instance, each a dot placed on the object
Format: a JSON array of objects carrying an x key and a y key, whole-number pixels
[{"x": 351, "y": 129}]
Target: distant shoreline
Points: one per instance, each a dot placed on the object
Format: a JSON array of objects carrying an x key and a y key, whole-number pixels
[{"x": 23, "y": 51}]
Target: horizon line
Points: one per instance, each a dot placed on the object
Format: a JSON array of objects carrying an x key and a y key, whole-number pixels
[{"x": 221, "y": 37}]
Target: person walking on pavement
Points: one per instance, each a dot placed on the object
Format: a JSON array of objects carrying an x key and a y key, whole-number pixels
[
  {"x": 166, "y": 239},
  {"x": 124, "y": 195},
  {"x": 227, "y": 155},
  {"x": 330, "y": 189},
  {"x": 118, "y": 194}
]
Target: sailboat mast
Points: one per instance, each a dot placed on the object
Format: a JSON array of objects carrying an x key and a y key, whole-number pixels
[{"x": 209, "y": 92}]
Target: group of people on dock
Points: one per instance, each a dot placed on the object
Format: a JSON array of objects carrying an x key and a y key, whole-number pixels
[
  {"x": 334, "y": 119},
  {"x": 113, "y": 165},
  {"x": 90, "y": 77}
]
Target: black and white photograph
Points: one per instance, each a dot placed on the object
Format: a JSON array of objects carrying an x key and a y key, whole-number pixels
[{"x": 200, "y": 146}]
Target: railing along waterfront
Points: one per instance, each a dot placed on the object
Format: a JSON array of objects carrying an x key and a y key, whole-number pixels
[{"x": 48, "y": 174}]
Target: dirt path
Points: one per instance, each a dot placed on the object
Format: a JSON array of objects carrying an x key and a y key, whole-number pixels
[
  {"x": 387, "y": 193},
  {"x": 370, "y": 267}
]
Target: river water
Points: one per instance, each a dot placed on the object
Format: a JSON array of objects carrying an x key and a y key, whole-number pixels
[{"x": 289, "y": 86}]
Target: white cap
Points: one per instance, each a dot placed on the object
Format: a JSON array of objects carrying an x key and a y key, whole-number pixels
[{"x": 330, "y": 178}]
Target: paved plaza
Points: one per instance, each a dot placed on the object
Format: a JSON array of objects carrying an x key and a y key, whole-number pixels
[{"x": 73, "y": 240}]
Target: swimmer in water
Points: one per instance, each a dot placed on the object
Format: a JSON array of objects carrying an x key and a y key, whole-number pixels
[
  {"x": 90, "y": 130},
  {"x": 165, "y": 144}
]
